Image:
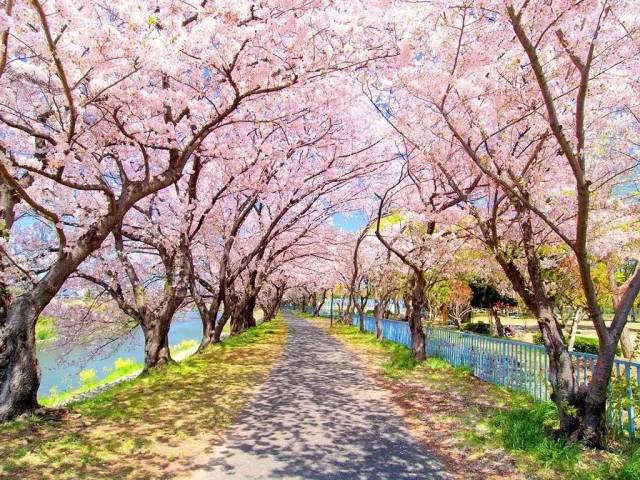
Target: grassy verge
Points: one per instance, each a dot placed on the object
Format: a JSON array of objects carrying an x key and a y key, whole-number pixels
[
  {"x": 477, "y": 427},
  {"x": 154, "y": 426}
]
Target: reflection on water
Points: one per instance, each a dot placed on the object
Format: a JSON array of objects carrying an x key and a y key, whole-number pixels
[{"x": 61, "y": 369}]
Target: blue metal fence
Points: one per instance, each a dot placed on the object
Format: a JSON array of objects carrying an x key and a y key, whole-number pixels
[{"x": 521, "y": 366}]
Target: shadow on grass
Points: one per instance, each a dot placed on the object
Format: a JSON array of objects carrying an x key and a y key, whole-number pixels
[{"x": 150, "y": 427}]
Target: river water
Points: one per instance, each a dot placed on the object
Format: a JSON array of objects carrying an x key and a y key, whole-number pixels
[{"x": 61, "y": 369}]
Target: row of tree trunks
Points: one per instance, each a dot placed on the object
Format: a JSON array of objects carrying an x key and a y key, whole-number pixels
[
  {"x": 271, "y": 302},
  {"x": 318, "y": 302}
]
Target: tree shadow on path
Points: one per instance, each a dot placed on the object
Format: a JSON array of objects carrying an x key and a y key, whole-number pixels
[{"x": 318, "y": 417}]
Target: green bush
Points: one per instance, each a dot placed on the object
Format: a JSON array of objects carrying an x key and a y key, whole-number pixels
[
  {"x": 582, "y": 344},
  {"x": 477, "y": 327},
  {"x": 125, "y": 366},
  {"x": 88, "y": 376},
  {"x": 45, "y": 329}
]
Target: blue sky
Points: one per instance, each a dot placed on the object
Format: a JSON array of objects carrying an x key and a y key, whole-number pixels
[{"x": 350, "y": 223}]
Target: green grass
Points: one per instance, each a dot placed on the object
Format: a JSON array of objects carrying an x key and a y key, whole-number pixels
[
  {"x": 485, "y": 418},
  {"x": 154, "y": 426},
  {"x": 399, "y": 357},
  {"x": 526, "y": 430},
  {"x": 631, "y": 469}
]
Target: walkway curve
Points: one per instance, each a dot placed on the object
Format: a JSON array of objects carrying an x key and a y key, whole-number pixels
[{"x": 318, "y": 417}]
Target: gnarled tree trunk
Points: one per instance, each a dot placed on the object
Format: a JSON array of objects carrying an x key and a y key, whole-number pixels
[
  {"x": 156, "y": 344},
  {"x": 565, "y": 394},
  {"x": 418, "y": 340},
  {"x": 19, "y": 369},
  {"x": 208, "y": 317}
]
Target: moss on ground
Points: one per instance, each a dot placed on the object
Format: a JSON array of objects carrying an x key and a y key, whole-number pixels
[
  {"x": 151, "y": 427},
  {"x": 481, "y": 430}
]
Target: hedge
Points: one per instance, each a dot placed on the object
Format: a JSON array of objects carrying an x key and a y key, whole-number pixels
[{"x": 582, "y": 344}]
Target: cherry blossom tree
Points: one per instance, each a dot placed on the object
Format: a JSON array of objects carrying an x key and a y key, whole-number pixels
[
  {"x": 103, "y": 105},
  {"x": 532, "y": 99},
  {"x": 421, "y": 237}
]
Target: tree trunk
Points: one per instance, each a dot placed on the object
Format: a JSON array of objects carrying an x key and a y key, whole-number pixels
[
  {"x": 499, "y": 328},
  {"x": 407, "y": 305},
  {"x": 237, "y": 320},
  {"x": 574, "y": 328},
  {"x": 242, "y": 315},
  {"x": 272, "y": 304},
  {"x": 569, "y": 401},
  {"x": 593, "y": 427},
  {"x": 222, "y": 321},
  {"x": 415, "y": 319},
  {"x": 156, "y": 344},
  {"x": 269, "y": 307},
  {"x": 208, "y": 326},
  {"x": 444, "y": 312},
  {"x": 19, "y": 369},
  {"x": 318, "y": 307},
  {"x": 378, "y": 313},
  {"x": 249, "y": 308},
  {"x": 342, "y": 315},
  {"x": 626, "y": 344}
]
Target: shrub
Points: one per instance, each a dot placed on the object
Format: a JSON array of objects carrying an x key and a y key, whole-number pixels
[
  {"x": 476, "y": 327},
  {"x": 45, "y": 329},
  {"x": 586, "y": 345},
  {"x": 582, "y": 344},
  {"x": 88, "y": 376},
  {"x": 125, "y": 364}
]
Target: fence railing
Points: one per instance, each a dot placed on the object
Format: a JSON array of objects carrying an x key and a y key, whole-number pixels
[{"x": 522, "y": 366}]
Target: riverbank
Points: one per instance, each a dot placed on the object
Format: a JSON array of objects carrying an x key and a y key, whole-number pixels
[
  {"x": 148, "y": 427},
  {"x": 124, "y": 369},
  {"x": 477, "y": 427},
  {"x": 66, "y": 374}
]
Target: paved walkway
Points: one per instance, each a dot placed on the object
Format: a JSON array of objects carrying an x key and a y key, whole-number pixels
[{"x": 318, "y": 417}]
